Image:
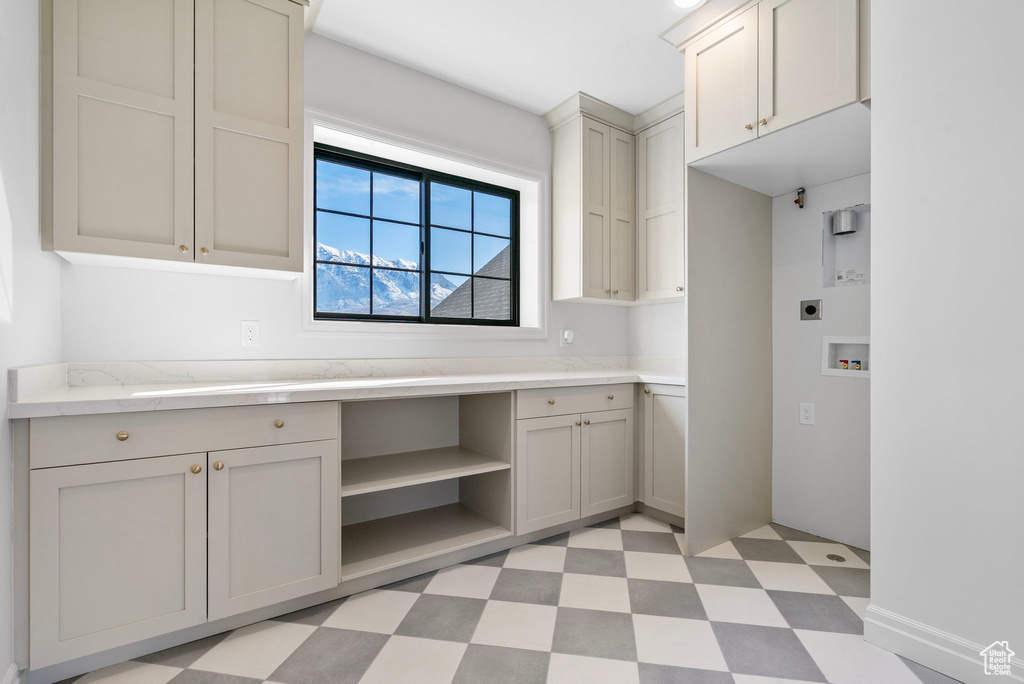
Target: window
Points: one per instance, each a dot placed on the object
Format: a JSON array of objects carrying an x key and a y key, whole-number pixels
[{"x": 400, "y": 243}]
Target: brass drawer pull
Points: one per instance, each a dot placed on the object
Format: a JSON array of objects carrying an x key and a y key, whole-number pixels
[
  {"x": 647, "y": 390},
  {"x": 218, "y": 466},
  {"x": 279, "y": 423},
  {"x": 586, "y": 422},
  {"x": 196, "y": 469},
  {"x": 611, "y": 396},
  {"x": 551, "y": 401},
  {"x": 122, "y": 436},
  {"x": 577, "y": 423}
]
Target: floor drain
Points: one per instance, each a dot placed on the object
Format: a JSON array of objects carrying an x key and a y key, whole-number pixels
[{"x": 836, "y": 558}]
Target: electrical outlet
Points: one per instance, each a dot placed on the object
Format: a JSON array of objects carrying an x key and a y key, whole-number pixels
[
  {"x": 807, "y": 414},
  {"x": 565, "y": 338},
  {"x": 250, "y": 333}
]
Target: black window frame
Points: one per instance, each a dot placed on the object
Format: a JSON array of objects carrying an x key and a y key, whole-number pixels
[{"x": 425, "y": 177}]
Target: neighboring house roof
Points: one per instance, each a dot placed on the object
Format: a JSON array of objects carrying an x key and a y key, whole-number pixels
[{"x": 492, "y": 296}]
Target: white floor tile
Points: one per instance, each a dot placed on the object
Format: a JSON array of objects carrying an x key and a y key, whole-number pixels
[
  {"x": 725, "y": 550},
  {"x": 765, "y": 532},
  {"x": 131, "y": 673},
  {"x": 470, "y": 581},
  {"x": 572, "y": 669},
  {"x": 642, "y": 523},
  {"x": 410, "y": 660},
  {"x": 678, "y": 642},
  {"x": 596, "y": 538},
  {"x": 788, "y": 577},
  {"x": 740, "y": 604},
  {"x": 256, "y": 650},
  {"x": 753, "y": 679},
  {"x": 516, "y": 625},
  {"x": 656, "y": 566},
  {"x": 859, "y": 605},
  {"x": 848, "y": 659},
  {"x": 373, "y": 611},
  {"x": 595, "y": 592},
  {"x": 814, "y": 553},
  {"x": 530, "y": 557}
]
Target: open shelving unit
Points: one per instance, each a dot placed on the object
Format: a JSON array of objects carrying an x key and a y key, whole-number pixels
[{"x": 441, "y": 483}]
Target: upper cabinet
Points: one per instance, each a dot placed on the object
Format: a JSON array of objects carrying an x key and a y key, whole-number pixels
[
  {"x": 775, "y": 64},
  {"x": 660, "y": 219},
  {"x": 177, "y": 131}
]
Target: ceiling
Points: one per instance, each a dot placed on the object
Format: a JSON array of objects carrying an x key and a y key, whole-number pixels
[{"x": 529, "y": 53}]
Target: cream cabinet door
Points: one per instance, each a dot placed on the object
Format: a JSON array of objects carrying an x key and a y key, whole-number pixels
[
  {"x": 248, "y": 137},
  {"x": 548, "y": 472},
  {"x": 118, "y": 554},
  {"x": 122, "y": 128},
  {"x": 660, "y": 236},
  {"x": 273, "y": 525},
  {"x": 807, "y": 59},
  {"x": 607, "y": 461},
  {"x": 622, "y": 175},
  {"x": 665, "y": 449},
  {"x": 721, "y": 88},
  {"x": 597, "y": 209}
]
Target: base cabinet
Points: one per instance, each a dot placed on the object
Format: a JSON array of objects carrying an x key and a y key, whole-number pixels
[
  {"x": 118, "y": 554},
  {"x": 665, "y": 449},
  {"x": 548, "y": 463},
  {"x": 606, "y": 461}
]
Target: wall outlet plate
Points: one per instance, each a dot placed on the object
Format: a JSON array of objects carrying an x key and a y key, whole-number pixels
[
  {"x": 250, "y": 333},
  {"x": 807, "y": 414},
  {"x": 810, "y": 310}
]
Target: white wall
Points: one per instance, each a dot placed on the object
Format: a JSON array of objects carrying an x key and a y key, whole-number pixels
[
  {"x": 819, "y": 472},
  {"x": 30, "y": 284},
  {"x": 111, "y": 313},
  {"x": 658, "y": 330},
  {"x": 947, "y": 442}
]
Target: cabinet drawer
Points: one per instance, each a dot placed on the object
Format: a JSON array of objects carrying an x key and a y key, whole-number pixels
[
  {"x": 559, "y": 401},
  {"x": 70, "y": 440}
]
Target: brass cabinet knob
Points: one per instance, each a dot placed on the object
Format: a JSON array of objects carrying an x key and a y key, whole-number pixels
[
  {"x": 551, "y": 401},
  {"x": 218, "y": 466},
  {"x": 204, "y": 251},
  {"x": 577, "y": 423},
  {"x": 611, "y": 396},
  {"x": 196, "y": 469},
  {"x": 279, "y": 423},
  {"x": 749, "y": 127},
  {"x": 183, "y": 249},
  {"x": 615, "y": 292},
  {"x": 679, "y": 288},
  {"x": 647, "y": 390},
  {"x": 586, "y": 422},
  {"x": 608, "y": 291},
  {"x": 763, "y": 122},
  {"x": 122, "y": 436}
]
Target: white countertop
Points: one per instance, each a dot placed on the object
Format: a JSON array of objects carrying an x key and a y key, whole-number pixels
[{"x": 122, "y": 398}]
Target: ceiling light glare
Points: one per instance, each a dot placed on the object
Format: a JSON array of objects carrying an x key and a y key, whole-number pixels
[{"x": 688, "y": 4}]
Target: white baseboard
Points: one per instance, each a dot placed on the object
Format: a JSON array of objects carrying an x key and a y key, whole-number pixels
[
  {"x": 13, "y": 675},
  {"x": 943, "y": 652}
]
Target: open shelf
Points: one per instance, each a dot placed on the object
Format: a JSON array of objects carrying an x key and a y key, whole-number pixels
[
  {"x": 376, "y": 545},
  {"x": 390, "y": 471}
]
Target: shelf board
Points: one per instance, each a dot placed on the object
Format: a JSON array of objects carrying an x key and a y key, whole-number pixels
[
  {"x": 377, "y": 473},
  {"x": 385, "y": 543}
]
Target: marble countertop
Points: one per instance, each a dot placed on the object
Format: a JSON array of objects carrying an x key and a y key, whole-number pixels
[{"x": 56, "y": 390}]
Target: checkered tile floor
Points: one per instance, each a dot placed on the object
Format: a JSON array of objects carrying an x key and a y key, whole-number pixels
[{"x": 613, "y": 603}]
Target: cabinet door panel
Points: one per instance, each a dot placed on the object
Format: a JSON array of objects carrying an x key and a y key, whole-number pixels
[
  {"x": 665, "y": 450},
  {"x": 622, "y": 175},
  {"x": 123, "y": 128},
  {"x": 548, "y": 472},
  {"x": 273, "y": 525},
  {"x": 721, "y": 88},
  {"x": 597, "y": 209},
  {"x": 248, "y": 138},
  {"x": 807, "y": 61},
  {"x": 607, "y": 461},
  {"x": 660, "y": 236},
  {"x": 118, "y": 554}
]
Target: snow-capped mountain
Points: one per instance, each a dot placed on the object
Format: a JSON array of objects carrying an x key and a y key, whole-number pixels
[{"x": 347, "y": 290}]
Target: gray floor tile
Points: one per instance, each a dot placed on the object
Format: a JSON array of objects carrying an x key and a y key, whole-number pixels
[
  {"x": 331, "y": 656},
  {"x": 677, "y": 530},
  {"x": 846, "y": 581},
  {"x": 314, "y": 615},
  {"x": 861, "y": 553},
  {"x": 818, "y": 612},
  {"x": 204, "y": 677},
  {"x": 612, "y": 524},
  {"x": 528, "y": 586},
  {"x": 594, "y": 633},
  {"x": 495, "y": 560},
  {"x": 771, "y": 550},
  {"x": 927, "y": 675},
  {"x": 665, "y": 674},
  {"x": 414, "y": 584},
  {"x": 668, "y": 599},
  {"x": 650, "y": 542},
  {"x": 450, "y": 618},
  {"x": 557, "y": 540},
  {"x": 789, "y": 534},
  {"x": 497, "y": 665},
  {"x": 595, "y": 562},
  {"x": 184, "y": 655},
  {"x": 722, "y": 571},
  {"x": 766, "y": 652}
]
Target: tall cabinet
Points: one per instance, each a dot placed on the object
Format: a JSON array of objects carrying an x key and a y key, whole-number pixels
[{"x": 174, "y": 131}]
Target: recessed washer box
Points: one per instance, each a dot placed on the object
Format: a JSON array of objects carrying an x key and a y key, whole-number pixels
[{"x": 835, "y": 349}]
